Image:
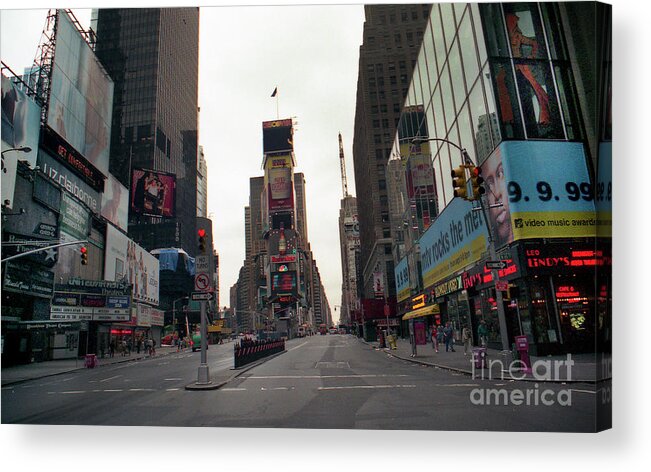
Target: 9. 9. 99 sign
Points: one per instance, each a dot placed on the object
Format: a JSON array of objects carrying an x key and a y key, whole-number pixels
[{"x": 539, "y": 189}]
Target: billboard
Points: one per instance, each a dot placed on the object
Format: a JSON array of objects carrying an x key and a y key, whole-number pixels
[
  {"x": 126, "y": 260},
  {"x": 283, "y": 282},
  {"x": 115, "y": 203},
  {"x": 456, "y": 239},
  {"x": 81, "y": 95},
  {"x": 277, "y": 136},
  {"x": 544, "y": 189},
  {"x": 21, "y": 120},
  {"x": 280, "y": 188},
  {"x": 402, "y": 280},
  {"x": 153, "y": 193}
]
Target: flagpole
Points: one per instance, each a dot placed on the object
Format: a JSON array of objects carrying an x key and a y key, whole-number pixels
[{"x": 277, "y": 112}]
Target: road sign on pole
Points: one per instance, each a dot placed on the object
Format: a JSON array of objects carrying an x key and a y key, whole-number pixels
[
  {"x": 202, "y": 279},
  {"x": 202, "y": 296},
  {"x": 496, "y": 264}
]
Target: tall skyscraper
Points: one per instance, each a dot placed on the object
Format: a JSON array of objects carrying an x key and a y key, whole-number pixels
[
  {"x": 392, "y": 36},
  {"x": 202, "y": 185},
  {"x": 152, "y": 55}
]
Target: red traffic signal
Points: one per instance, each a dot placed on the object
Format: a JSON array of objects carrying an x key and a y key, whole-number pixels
[
  {"x": 202, "y": 240},
  {"x": 84, "y": 255}
]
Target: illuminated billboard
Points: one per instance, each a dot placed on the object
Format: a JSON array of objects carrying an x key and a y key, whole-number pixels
[
  {"x": 280, "y": 189},
  {"x": 277, "y": 136},
  {"x": 544, "y": 190},
  {"x": 81, "y": 95},
  {"x": 153, "y": 193},
  {"x": 283, "y": 282}
]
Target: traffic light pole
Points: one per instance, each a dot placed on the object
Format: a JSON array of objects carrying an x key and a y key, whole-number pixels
[
  {"x": 468, "y": 163},
  {"x": 54, "y": 246},
  {"x": 203, "y": 376}
]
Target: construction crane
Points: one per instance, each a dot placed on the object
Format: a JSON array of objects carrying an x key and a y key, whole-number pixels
[{"x": 344, "y": 182}]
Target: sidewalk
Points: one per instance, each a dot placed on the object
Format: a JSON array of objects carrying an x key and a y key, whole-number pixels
[
  {"x": 37, "y": 370},
  {"x": 583, "y": 369}
]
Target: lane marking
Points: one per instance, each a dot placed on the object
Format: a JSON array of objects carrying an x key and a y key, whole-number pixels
[
  {"x": 73, "y": 392},
  {"x": 232, "y": 389},
  {"x": 296, "y": 347},
  {"x": 110, "y": 378},
  {"x": 350, "y": 376},
  {"x": 169, "y": 380},
  {"x": 114, "y": 390},
  {"x": 172, "y": 389},
  {"x": 350, "y": 387},
  {"x": 142, "y": 390}
]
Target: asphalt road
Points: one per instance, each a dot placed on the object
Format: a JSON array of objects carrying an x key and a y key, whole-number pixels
[{"x": 332, "y": 381}]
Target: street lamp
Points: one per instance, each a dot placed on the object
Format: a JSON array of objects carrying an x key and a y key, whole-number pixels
[
  {"x": 501, "y": 315},
  {"x": 174, "y": 311},
  {"x": 17, "y": 149}
]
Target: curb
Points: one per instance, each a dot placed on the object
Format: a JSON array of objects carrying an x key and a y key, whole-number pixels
[
  {"x": 469, "y": 372},
  {"x": 43, "y": 376},
  {"x": 214, "y": 386}
]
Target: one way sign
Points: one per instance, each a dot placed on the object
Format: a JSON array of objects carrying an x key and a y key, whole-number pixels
[{"x": 495, "y": 264}]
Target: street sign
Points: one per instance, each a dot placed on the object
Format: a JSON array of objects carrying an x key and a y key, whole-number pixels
[
  {"x": 496, "y": 264},
  {"x": 202, "y": 283},
  {"x": 202, "y": 296},
  {"x": 202, "y": 264}
]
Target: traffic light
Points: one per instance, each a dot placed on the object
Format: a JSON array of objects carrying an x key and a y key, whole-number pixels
[
  {"x": 202, "y": 240},
  {"x": 459, "y": 182},
  {"x": 477, "y": 183},
  {"x": 84, "y": 255}
]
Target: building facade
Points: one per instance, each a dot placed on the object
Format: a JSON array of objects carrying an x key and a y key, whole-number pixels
[
  {"x": 152, "y": 56},
  {"x": 512, "y": 84},
  {"x": 202, "y": 185},
  {"x": 391, "y": 38}
]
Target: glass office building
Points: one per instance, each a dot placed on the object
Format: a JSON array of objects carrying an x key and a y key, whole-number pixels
[{"x": 524, "y": 88}]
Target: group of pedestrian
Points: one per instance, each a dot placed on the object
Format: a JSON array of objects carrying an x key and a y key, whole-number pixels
[{"x": 440, "y": 334}]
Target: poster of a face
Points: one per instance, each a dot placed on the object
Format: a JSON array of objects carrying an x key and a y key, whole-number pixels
[
  {"x": 495, "y": 182},
  {"x": 21, "y": 119},
  {"x": 153, "y": 193},
  {"x": 127, "y": 260},
  {"x": 81, "y": 96},
  {"x": 115, "y": 202}
]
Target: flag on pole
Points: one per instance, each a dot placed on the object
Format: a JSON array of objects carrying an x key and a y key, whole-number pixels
[{"x": 275, "y": 92}]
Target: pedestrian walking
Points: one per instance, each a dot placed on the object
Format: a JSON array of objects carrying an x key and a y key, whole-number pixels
[
  {"x": 482, "y": 332},
  {"x": 435, "y": 341},
  {"x": 150, "y": 346},
  {"x": 448, "y": 333},
  {"x": 112, "y": 348},
  {"x": 466, "y": 337}
]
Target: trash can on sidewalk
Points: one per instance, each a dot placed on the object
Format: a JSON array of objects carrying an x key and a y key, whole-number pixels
[
  {"x": 392, "y": 342},
  {"x": 90, "y": 361},
  {"x": 479, "y": 356}
]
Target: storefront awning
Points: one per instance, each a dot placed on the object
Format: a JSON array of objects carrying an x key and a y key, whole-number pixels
[{"x": 425, "y": 311}]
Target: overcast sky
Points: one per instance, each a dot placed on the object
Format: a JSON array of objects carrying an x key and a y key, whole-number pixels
[{"x": 311, "y": 54}]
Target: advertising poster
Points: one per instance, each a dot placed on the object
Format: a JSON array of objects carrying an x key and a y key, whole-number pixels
[
  {"x": 402, "y": 280},
  {"x": 280, "y": 188},
  {"x": 604, "y": 191},
  {"x": 115, "y": 203},
  {"x": 378, "y": 284},
  {"x": 126, "y": 260},
  {"x": 21, "y": 120},
  {"x": 81, "y": 96},
  {"x": 544, "y": 189},
  {"x": 457, "y": 238},
  {"x": 153, "y": 193}
]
